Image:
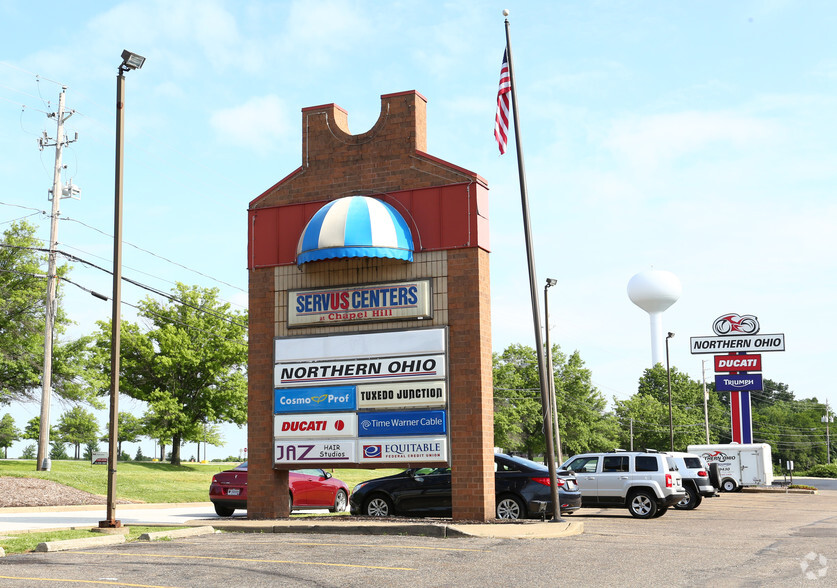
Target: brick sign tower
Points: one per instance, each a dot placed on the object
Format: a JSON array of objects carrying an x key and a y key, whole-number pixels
[{"x": 369, "y": 309}]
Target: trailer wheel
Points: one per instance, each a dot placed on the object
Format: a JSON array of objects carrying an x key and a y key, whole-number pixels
[
  {"x": 715, "y": 475},
  {"x": 729, "y": 485}
]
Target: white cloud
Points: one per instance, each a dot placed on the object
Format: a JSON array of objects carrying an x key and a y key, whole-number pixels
[{"x": 258, "y": 123}]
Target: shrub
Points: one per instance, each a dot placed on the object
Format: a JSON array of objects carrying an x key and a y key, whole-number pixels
[
  {"x": 29, "y": 452},
  {"x": 824, "y": 471}
]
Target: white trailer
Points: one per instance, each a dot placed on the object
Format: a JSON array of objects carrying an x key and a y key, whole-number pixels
[{"x": 739, "y": 464}]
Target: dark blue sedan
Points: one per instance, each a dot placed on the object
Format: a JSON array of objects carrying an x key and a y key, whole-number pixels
[{"x": 521, "y": 487}]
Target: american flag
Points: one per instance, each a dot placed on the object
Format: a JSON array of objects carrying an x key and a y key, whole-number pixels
[{"x": 501, "y": 121}]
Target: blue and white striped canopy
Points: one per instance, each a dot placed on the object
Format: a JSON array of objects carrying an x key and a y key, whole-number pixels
[{"x": 355, "y": 226}]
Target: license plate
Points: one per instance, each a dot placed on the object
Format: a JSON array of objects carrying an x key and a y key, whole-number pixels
[{"x": 233, "y": 491}]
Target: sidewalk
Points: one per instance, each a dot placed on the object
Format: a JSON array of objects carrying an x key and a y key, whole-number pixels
[{"x": 201, "y": 514}]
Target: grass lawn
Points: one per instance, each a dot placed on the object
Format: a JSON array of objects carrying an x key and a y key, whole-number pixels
[
  {"x": 152, "y": 482},
  {"x": 24, "y": 542}
]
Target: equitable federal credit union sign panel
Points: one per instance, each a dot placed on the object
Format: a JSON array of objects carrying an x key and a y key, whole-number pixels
[
  {"x": 730, "y": 343},
  {"x": 402, "y": 394},
  {"x": 324, "y": 425},
  {"x": 327, "y": 399},
  {"x": 404, "y": 422},
  {"x": 351, "y": 304},
  {"x": 304, "y": 451},
  {"x": 403, "y": 449}
]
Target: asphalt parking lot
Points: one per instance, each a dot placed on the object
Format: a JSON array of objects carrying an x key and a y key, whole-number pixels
[{"x": 739, "y": 539}]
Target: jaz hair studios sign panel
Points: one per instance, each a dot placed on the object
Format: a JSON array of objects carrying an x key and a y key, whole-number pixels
[{"x": 333, "y": 393}]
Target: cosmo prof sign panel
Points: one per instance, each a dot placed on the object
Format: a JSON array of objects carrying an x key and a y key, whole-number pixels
[
  {"x": 315, "y": 451},
  {"x": 404, "y": 449},
  {"x": 402, "y": 394},
  {"x": 342, "y": 424},
  {"x": 374, "y": 302},
  {"x": 405, "y": 422},
  {"x": 326, "y": 399},
  {"x": 737, "y": 343}
]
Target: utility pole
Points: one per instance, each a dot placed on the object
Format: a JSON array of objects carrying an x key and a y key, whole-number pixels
[
  {"x": 827, "y": 419},
  {"x": 705, "y": 400},
  {"x": 43, "y": 462}
]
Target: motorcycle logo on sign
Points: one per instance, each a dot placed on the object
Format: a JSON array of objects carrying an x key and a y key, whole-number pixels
[{"x": 731, "y": 324}]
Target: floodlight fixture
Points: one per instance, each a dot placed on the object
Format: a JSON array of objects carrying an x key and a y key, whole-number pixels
[{"x": 131, "y": 61}]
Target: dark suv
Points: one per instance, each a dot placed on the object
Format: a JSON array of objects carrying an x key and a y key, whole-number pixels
[{"x": 646, "y": 482}]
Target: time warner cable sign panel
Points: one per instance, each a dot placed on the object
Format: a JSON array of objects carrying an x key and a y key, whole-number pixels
[{"x": 351, "y": 304}]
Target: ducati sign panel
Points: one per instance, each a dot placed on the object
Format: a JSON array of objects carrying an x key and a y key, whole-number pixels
[
  {"x": 331, "y": 451},
  {"x": 738, "y": 363},
  {"x": 343, "y": 424},
  {"x": 404, "y": 449},
  {"x": 402, "y": 395},
  {"x": 738, "y": 382},
  {"x": 352, "y": 304},
  {"x": 731, "y": 343}
]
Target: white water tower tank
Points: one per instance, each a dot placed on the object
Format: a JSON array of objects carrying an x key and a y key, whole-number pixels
[{"x": 654, "y": 291}]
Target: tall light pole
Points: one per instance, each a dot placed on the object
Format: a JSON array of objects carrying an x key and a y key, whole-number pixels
[
  {"x": 668, "y": 377},
  {"x": 705, "y": 400},
  {"x": 130, "y": 61},
  {"x": 552, "y": 400}
]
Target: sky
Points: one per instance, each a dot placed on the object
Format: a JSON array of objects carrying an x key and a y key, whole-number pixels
[{"x": 693, "y": 137}]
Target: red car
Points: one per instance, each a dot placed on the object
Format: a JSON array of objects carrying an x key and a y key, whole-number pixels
[{"x": 310, "y": 488}]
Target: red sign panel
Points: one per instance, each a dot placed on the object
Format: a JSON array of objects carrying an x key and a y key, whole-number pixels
[{"x": 738, "y": 363}]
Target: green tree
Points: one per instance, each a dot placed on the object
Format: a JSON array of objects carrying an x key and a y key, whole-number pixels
[
  {"x": 57, "y": 450},
  {"x": 9, "y": 433},
  {"x": 648, "y": 411},
  {"x": 583, "y": 422},
  {"x": 208, "y": 435},
  {"x": 33, "y": 430},
  {"x": 22, "y": 325},
  {"x": 189, "y": 366},
  {"x": 29, "y": 452},
  {"x": 78, "y": 426},
  {"x": 130, "y": 430},
  {"x": 89, "y": 448}
]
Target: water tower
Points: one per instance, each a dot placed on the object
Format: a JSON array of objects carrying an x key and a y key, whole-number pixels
[{"x": 654, "y": 291}]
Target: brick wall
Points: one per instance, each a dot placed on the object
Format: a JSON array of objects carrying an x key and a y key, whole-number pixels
[{"x": 388, "y": 158}]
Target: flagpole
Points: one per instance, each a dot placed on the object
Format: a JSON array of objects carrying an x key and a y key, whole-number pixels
[{"x": 533, "y": 291}]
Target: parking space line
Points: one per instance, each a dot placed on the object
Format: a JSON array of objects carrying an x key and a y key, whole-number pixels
[
  {"x": 373, "y": 545},
  {"x": 244, "y": 559},
  {"x": 104, "y": 582}
]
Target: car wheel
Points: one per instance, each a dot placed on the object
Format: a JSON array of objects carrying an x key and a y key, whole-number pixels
[
  {"x": 689, "y": 501},
  {"x": 223, "y": 511},
  {"x": 715, "y": 475},
  {"x": 642, "y": 505},
  {"x": 729, "y": 485},
  {"x": 340, "y": 501},
  {"x": 378, "y": 506},
  {"x": 510, "y": 507},
  {"x": 661, "y": 510}
]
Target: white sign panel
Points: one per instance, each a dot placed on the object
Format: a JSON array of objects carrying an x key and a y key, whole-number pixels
[
  {"x": 402, "y": 449},
  {"x": 99, "y": 457},
  {"x": 735, "y": 343},
  {"x": 330, "y": 451},
  {"x": 357, "y": 371},
  {"x": 356, "y": 345},
  {"x": 402, "y": 394},
  {"x": 321, "y": 424}
]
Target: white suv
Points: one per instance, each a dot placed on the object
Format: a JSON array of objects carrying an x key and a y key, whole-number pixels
[
  {"x": 697, "y": 479},
  {"x": 646, "y": 482}
]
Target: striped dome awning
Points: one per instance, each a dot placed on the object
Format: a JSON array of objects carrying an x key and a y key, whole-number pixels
[{"x": 355, "y": 226}]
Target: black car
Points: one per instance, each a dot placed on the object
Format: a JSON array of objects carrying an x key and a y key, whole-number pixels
[{"x": 521, "y": 487}]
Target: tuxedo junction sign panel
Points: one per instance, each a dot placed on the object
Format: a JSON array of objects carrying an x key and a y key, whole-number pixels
[{"x": 365, "y": 398}]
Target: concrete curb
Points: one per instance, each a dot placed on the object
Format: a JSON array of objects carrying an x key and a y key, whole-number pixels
[
  {"x": 119, "y": 506},
  {"x": 771, "y": 490},
  {"x": 521, "y": 530},
  {"x": 80, "y": 543},
  {"x": 175, "y": 533}
]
